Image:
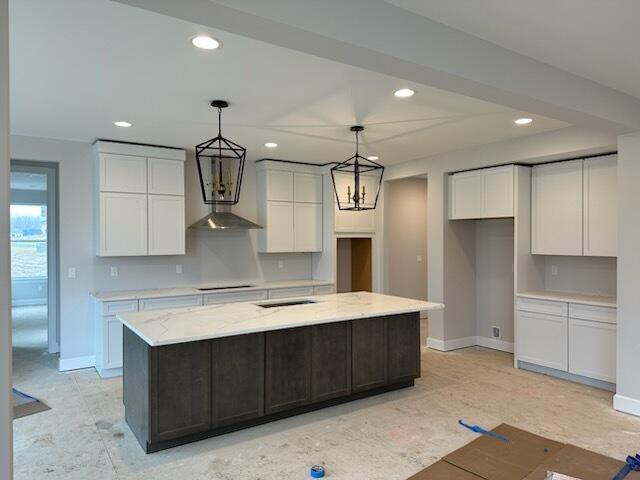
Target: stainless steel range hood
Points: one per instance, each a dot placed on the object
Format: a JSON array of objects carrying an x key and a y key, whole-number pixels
[{"x": 220, "y": 219}]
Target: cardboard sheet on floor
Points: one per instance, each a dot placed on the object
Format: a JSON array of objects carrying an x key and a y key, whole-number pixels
[{"x": 526, "y": 457}]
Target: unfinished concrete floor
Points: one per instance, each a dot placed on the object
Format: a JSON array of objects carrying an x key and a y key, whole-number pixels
[{"x": 392, "y": 436}]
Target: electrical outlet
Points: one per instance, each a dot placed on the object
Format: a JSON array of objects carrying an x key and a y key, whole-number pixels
[
  {"x": 178, "y": 268},
  {"x": 419, "y": 258},
  {"x": 71, "y": 273},
  {"x": 495, "y": 332},
  {"x": 280, "y": 264},
  {"x": 114, "y": 271},
  {"x": 554, "y": 270}
]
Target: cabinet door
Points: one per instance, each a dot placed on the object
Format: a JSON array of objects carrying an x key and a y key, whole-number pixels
[
  {"x": 330, "y": 361},
  {"x": 165, "y": 177},
  {"x": 347, "y": 221},
  {"x": 542, "y": 340},
  {"x": 123, "y": 224},
  {"x": 288, "y": 369},
  {"x": 556, "y": 209},
  {"x": 279, "y": 227},
  {"x": 166, "y": 225},
  {"x": 180, "y": 390},
  {"x": 403, "y": 347},
  {"x": 112, "y": 342},
  {"x": 307, "y": 187},
  {"x": 238, "y": 378},
  {"x": 123, "y": 173},
  {"x": 369, "y": 354},
  {"x": 308, "y": 227},
  {"x": 600, "y": 207},
  {"x": 497, "y": 192},
  {"x": 465, "y": 195},
  {"x": 279, "y": 185},
  {"x": 592, "y": 349}
]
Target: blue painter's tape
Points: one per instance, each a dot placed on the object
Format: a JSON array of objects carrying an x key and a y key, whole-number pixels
[
  {"x": 316, "y": 471},
  {"x": 482, "y": 431}
]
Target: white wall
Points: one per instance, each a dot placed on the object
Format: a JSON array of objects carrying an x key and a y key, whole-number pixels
[
  {"x": 628, "y": 329},
  {"x": 211, "y": 256},
  {"x": 6, "y": 404},
  {"x": 405, "y": 238},
  {"x": 446, "y": 271}
]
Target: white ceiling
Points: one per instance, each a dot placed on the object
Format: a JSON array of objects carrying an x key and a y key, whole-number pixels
[
  {"x": 78, "y": 65},
  {"x": 596, "y": 39}
]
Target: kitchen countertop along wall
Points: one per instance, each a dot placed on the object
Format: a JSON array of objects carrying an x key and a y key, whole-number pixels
[{"x": 220, "y": 288}]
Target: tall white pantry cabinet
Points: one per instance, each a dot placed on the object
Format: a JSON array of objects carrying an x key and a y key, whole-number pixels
[{"x": 140, "y": 200}]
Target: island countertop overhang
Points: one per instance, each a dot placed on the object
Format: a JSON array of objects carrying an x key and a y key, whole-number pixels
[{"x": 169, "y": 327}]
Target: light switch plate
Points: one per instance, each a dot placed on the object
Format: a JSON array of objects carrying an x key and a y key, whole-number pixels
[
  {"x": 280, "y": 264},
  {"x": 71, "y": 273},
  {"x": 419, "y": 258},
  {"x": 114, "y": 271},
  {"x": 554, "y": 270},
  {"x": 178, "y": 268}
]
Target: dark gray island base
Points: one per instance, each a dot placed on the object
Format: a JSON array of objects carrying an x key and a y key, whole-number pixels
[{"x": 184, "y": 392}]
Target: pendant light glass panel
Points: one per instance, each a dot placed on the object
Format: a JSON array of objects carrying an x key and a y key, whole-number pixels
[
  {"x": 220, "y": 166},
  {"x": 357, "y": 180}
]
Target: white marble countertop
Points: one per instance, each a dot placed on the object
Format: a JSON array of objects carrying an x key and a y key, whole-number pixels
[
  {"x": 183, "y": 291},
  {"x": 166, "y": 327},
  {"x": 571, "y": 297}
]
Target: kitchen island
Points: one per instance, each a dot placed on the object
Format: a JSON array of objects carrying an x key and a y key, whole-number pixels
[{"x": 198, "y": 372}]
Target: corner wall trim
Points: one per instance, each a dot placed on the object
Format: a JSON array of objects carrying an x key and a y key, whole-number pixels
[
  {"x": 495, "y": 343},
  {"x": 626, "y": 404},
  {"x": 464, "y": 342},
  {"x": 76, "y": 363}
]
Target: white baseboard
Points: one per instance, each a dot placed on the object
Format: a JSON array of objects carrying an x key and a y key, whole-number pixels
[
  {"x": 76, "y": 363},
  {"x": 464, "y": 342},
  {"x": 448, "y": 345},
  {"x": 626, "y": 404},
  {"x": 495, "y": 343}
]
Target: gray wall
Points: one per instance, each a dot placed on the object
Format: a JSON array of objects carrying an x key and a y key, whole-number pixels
[
  {"x": 581, "y": 274},
  {"x": 405, "y": 237},
  {"x": 211, "y": 256},
  {"x": 494, "y": 277},
  {"x": 6, "y": 404},
  {"x": 628, "y": 329}
]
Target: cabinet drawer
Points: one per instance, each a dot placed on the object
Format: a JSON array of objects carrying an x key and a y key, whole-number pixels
[
  {"x": 323, "y": 290},
  {"x": 121, "y": 306},
  {"x": 542, "y": 306},
  {"x": 232, "y": 297},
  {"x": 291, "y": 292},
  {"x": 170, "y": 302},
  {"x": 592, "y": 349},
  {"x": 592, "y": 312}
]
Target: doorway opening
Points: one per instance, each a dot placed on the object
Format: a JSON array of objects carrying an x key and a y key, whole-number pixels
[
  {"x": 34, "y": 262},
  {"x": 354, "y": 269}
]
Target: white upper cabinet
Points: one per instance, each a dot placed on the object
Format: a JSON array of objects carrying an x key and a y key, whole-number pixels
[
  {"x": 497, "y": 192},
  {"x": 556, "y": 209},
  {"x": 166, "y": 225},
  {"x": 289, "y": 208},
  {"x": 484, "y": 193},
  {"x": 123, "y": 173},
  {"x": 123, "y": 224},
  {"x": 165, "y": 177},
  {"x": 600, "y": 215},
  {"x": 307, "y": 188},
  {"x": 140, "y": 202},
  {"x": 351, "y": 221}
]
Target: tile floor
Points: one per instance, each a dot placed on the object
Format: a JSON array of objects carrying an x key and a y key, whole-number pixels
[{"x": 388, "y": 437}]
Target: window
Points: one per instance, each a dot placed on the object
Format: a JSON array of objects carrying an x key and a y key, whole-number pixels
[{"x": 28, "y": 241}]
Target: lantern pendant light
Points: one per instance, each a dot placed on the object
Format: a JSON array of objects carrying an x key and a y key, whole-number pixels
[
  {"x": 220, "y": 166},
  {"x": 357, "y": 180}
]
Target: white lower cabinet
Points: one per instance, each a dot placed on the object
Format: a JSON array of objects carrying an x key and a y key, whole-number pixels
[
  {"x": 113, "y": 339},
  {"x": 291, "y": 292},
  {"x": 542, "y": 339},
  {"x": 592, "y": 349},
  {"x": 233, "y": 297}
]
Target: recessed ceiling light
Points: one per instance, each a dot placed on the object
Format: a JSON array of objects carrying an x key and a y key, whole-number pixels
[
  {"x": 122, "y": 123},
  {"x": 404, "y": 93},
  {"x": 205, "y": 42},
  {"x": 523, "y": 121},
  {"x": 271, "y": 144},
  {"x": 373, "y": 157}
]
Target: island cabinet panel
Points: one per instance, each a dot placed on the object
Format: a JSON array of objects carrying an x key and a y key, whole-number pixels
[
  {"x": 238, "y": 379},
  {"x": 369, "y": 353},
  {"x": 136, "y": 385},
  {"x": 180, "y": 390},
  {"x": 288, "y": 369},
  {"x": 403, "y": 347},
  {"x": 330, "y": 360}
]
